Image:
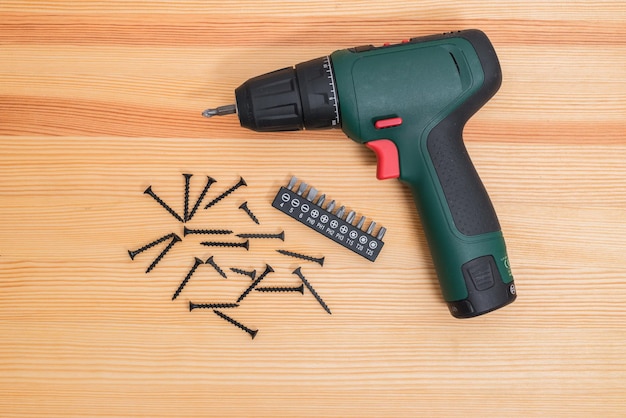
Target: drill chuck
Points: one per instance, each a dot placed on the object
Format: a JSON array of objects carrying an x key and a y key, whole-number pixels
[{"x": 290, "y": 99}]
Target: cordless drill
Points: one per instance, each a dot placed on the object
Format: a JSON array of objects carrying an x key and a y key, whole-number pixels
[{"x": 408, "y": 102}]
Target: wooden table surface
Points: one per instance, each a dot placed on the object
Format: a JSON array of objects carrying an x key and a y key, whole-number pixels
[{"x": 99, "y": 100}]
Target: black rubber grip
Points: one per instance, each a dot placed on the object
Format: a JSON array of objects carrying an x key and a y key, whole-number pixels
[
  {"x": 469, "y": 203},
  {"x": 467, "y": 198}
]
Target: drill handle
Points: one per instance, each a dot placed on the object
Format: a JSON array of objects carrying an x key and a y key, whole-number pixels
[{"x": 460, "y": 224}]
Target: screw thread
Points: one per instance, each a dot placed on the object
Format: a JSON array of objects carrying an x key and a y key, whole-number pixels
[
  {"x": 245, "y": 245},
  {"x": 209, "y": 182},
  {"x": 241, "y": 182},
  {"x": 237, "y": 324},
  {"x": 157, "y": 241},
  {"x": 188, "y": 231},
  {"x": 165, "y": 206},
  {"x": 217, "y": 268},
  {"x": 174, "y": 240},
  {"x": 298, "y": 272},
  {"x": 187, "y": 277},
  {"x": 280, "y": 236},
  {"x": 193, "y": 306},
  {"x": 187, "y": 181},
  {"x": 268, "y": 269},
  {"x": 251, "y": 274},
  {"x": 319, "y": 261},
  {"x": 281, "y": 289},
  {"x": 245, "y": 208}
]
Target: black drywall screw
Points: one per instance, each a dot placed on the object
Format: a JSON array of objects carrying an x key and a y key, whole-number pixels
[
  {"x": 193, "y": 306},
  {"x": 268, "y": 269},
  {"x": 245, "y": 208},
  {"x": 250, "y": 274},
  {"x": 319, "y": 261},
  {"x": 245, "y": 245},
  {"x": 188, "y": 231},
  {"x": 240, "y": 183},
  {"x": 280, "y": 236},
  {"x": 174, "y": 240},
  {"x": 187, "y": 180},
  {"x": 132, "y": 254},
  {"x": 217, "y": 268},
  {"x": 209, "y": 182},
  {"x": 187, "y": 277},
  {"x": 298, "y": 272},
  {"x": 281, "y": 289},
  {"x": 172, "y": 212},
  {"x": 237, "y": 324}
]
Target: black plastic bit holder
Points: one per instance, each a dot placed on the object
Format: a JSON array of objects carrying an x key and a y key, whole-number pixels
[{"x": 327, "y": 224}]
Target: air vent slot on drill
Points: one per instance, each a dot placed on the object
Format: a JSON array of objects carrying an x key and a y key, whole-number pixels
[{"x": 455, "y": 63}]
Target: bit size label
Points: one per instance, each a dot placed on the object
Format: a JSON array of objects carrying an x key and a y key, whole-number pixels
[{"x": 327, "y": 223}]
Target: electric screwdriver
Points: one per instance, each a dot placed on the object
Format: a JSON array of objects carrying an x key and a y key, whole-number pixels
[{"x": 409, "y": 103}]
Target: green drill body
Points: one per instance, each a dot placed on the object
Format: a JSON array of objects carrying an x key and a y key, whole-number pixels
[{"x": 409, "y": 103}]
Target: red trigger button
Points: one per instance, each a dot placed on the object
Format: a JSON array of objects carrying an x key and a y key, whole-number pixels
[{"x": 388, "y": 160}]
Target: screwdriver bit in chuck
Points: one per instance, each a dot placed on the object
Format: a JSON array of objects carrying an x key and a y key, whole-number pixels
[{"x": 220, "y": 111}]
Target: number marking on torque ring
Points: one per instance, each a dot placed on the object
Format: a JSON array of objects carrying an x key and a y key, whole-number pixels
[{"x": 333, "y": 97}]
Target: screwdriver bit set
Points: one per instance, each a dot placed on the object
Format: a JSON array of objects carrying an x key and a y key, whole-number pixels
[{"x": 299, "y": 202}]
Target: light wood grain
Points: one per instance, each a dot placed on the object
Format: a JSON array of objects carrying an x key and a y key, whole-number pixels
[{"x": 98, "y": 100}]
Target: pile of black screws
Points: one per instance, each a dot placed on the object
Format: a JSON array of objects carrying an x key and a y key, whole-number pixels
[{"x": 244, "y": 242}]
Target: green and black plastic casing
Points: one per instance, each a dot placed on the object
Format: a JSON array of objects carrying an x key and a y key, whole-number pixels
[{"x": 433, "y": 85}]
